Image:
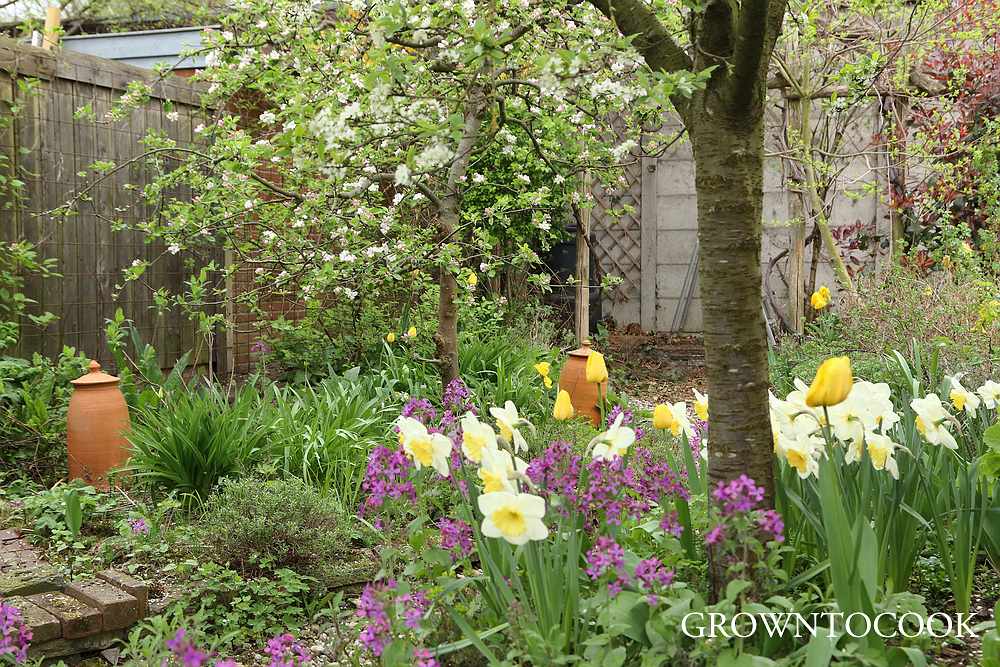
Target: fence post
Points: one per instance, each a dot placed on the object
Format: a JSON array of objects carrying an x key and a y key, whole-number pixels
[
  {"x": 647, "y": 246},
  {"x": 583, "y": 265}
]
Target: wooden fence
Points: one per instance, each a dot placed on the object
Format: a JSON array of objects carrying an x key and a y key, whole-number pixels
[{"x": 59, "y": 105}]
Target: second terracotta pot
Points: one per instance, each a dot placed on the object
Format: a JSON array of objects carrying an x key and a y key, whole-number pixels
[{"x": 584, "y": 395}]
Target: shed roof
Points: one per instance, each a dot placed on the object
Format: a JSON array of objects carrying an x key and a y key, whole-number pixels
[{"x": 145, "y": 48}]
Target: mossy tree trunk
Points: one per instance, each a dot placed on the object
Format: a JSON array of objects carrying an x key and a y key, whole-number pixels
[{"x": 725, "y": 122}]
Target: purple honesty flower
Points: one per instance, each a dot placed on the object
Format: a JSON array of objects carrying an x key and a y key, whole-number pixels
[
  {"x": 456, "y": 537},
  {"x": 627, "y": 419},
  {"x": 387, "y": 478},
  {"x": 651, "y": 573},
  {"x": 260, "y": 347},
  {"x": 377, "y": 635},
  {"x": 425, "y": 658},
  {"x": 670, "y": 524},
  {"x": 414, "y": 605},
  {"x": 771, "y": 523},
  {"x": 139, "y": 526},
  {"x": 284, "y": 651},
  {"x": 185, "y": 650},
  {"x": 606, "y": 555},
  {"x": 739, "y": 495},
  {"x": 15, "y": 635},
  {"x": 457, "y": 398},
  {"x": 715, "y": 535},
  {"x": 420, "y": 409}
]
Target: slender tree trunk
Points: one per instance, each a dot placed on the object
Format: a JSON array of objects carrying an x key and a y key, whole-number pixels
[
  {"x": 729, "y": 182},
  {"x": 446, "y": 337}
]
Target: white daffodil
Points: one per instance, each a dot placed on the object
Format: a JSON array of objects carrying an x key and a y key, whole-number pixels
[
  {"x": 425, "y": 449},
  {"x": 508, "y": 423},
  {"x": 880, "y": 451},
  {"x": 962, "y": 398},
  {"x": 931, "y": 420},
  {"x": 476, "y": 437},
  {"x": 700, "y": 405},
  {"x": 498, "y": 470},
  {"x": 515, "y": 517},
  {"x": 802, "y": 453},
  {"x": 613, "y": 442},
  {"x": 679, "y": 419},
  {"x": 990, "y": 393},
  {"x": 876, "y": 399}
]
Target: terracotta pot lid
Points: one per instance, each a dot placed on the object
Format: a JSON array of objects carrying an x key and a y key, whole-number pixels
[
  {"x": 94, "y": 377},
  {"x": 582, "y": 351}
]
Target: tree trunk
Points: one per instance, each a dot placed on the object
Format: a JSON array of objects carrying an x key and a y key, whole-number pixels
[
  {"x": 446, "y": 337},
  {"x": 729, "y": 182},
  {"x": 729, "y": 170}
]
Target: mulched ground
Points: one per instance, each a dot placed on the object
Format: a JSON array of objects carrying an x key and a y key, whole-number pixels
[{"x": 656, "y": 368}]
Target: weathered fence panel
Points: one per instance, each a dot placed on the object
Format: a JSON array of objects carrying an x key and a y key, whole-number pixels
[{"x": 50, "y": 146}]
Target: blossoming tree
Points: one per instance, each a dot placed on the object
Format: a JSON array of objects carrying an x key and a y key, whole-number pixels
[{"x": 364, "y": 127}]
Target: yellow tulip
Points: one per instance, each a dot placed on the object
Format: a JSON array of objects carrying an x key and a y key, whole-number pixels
[
  {"x": 547, "y": 381},
  {"x": 597, "y": 370},
  {"x": 412, "y": 332},
  {"x": 390, "y": 337},
  {"x": 563, "y": 408},
  {"x": 543, "y": 368},
  {"x": 472, "y": 280},
  {"x": 832, "y": 384},
  {"x": 663, "y": 418}
]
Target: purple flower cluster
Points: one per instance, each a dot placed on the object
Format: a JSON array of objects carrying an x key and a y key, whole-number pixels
[
  {"x": 420, "y": 409},
  {"x": 375, "y": 603},
  {"x": 457, "y": 399},
  {"x": 608, "y": 557},
  {"x": 611, "y": 490},
  {"x": 740, "y": 495},
  {"x": 387, "y": 478},
  {"x": 456, "y": 537},
  {"x": 425, "y": 658},
  {"x": 770, "y": 523},
  {"x": 186, "y": 651},
  {"x": 627, "y": 419},
  {"x": 284, "y": 651},
  {"x": 139, "y": 526},
  {"x": 15, "y": 635},
  {"x": 377, "y": 635}
]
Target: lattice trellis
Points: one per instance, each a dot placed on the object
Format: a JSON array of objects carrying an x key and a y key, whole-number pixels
[{"x": 616, "y": 233}]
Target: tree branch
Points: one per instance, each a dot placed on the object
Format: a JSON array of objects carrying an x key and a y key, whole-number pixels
[
  {"x": 759, "y": 25},
  {"x": 634, "y": 19}
]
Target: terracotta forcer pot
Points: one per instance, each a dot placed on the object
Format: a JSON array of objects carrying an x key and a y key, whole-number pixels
[
  {"x": 582, "y": 394},
  {"x": 95, "y": 427}
]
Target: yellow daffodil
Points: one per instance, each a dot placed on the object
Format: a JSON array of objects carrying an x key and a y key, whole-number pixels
[
  {"x": 613, "y": 442},
  {"x": 820, "y": 299},
  {"x": 962, "y": 398},
  {"x": 498, "y": 469},
  {"x": 515, "y": 517},
  {"x": 543, "y": 368},
  {"x": 597, "y": 370},
  {"x": 425, "y": 449},
  {"x": 701, "y": 405},
  {"x": 832, "y": 383},
  {"x": 563, "y": 409},
  {"x": 547, "y": 381},
  {"x": 673, "y": 417},
  {"x": 931, "y": 420},
  {"x": 508, "y": 423},
  {"x": 412, "y": 332},
  {"x": 477, "y": 437},
  {"x": 880, "y": 451},
  {"x": 472, "y": 280},
  {"x": 990, "y": 393},
  {"x": 390, "y": 337}
]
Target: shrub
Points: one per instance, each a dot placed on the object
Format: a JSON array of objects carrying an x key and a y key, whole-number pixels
[
  {"x": 257, "y": 526},
  {"x": 196, "y": 438}
]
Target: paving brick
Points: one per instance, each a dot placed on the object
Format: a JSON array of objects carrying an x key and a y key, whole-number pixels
[
  {"x": 44, "y": 626},
  {"x": 8, "y": 535},
  {"x": 27, "y": 579},
  {"x": 137, "y": 589},
  {"x": 77, "y": 619},
  {"x": 119, "y": 609}
]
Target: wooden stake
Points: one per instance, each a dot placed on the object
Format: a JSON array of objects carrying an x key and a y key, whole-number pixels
[
  {"x": 53, "y": 19},
  {"x": 583, "y": 267}
]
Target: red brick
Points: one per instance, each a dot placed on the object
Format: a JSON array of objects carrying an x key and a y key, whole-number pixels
[
  {"x": 44, "y": 626},
  {"x": 137, "y": 589},
  {"x": 120, "y": 609},
  {"x": 76, "y": 618}
]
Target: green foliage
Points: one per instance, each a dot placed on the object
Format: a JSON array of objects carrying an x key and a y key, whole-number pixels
[
  {"x": 17, "y": 259},
  {"x": 323, "y": 433},
  {"x": 141, "y": 379},
  {"x": 195, "y": 439},
  {"x": 257, "y": 527}
]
